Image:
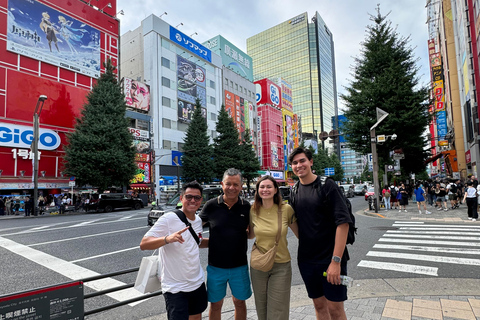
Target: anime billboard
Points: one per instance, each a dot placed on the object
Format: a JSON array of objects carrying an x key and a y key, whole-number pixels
[
  {"x": 191, "y": 80},
  {"x": 137, "y": 94},
  {"x": 43, "y": 33},
  {"x": 186, "y": 110}
]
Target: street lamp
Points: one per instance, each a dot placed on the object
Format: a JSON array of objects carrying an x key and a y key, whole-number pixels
[
  {"x": 381, "y": 115},
  {"x": 36, "y": 115}
]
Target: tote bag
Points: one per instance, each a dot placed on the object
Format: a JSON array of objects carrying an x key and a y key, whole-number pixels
[{"x": 147, "y": 278}]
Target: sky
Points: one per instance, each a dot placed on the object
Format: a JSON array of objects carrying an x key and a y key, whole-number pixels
[{"x": 238, "y": 20}]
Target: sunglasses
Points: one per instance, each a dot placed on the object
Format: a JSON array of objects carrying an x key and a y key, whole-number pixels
[{"x": 189, "y": 197}]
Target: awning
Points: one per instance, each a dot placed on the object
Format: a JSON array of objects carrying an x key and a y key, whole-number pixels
[
  {"x": 435, "y": 157},
  {"x": 168, "y": 177},
  {"x": 140, "y": 185}
]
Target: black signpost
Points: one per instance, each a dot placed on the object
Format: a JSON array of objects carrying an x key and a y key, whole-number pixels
[{"x": 59, "y": 302}]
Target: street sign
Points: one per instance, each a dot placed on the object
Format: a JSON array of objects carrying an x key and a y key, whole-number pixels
[
  {"x": 390, "y": 167},
  {"x": 398, "y": 156},
  {"x": 72, "y": 178},
  {"x": 329, "y": 171},
  {"x": 71, "y": 183}
]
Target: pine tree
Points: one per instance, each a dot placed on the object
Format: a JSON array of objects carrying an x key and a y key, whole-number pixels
[
  {"x": 226, "y": 147},
  {"x": 197, "y": 157},
  {"x": 385, "y": 77},
  {"x": 337, "y": 166},
  {"x": 249, "y": 164},
  {"x": 100, "y": 150}
]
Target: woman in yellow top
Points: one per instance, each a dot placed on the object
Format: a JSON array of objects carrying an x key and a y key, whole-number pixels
[{"x": 271, "y": 288}]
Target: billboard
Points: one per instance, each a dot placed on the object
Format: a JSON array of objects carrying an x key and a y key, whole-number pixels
[
  {"x": 287, "y": 101},
  {"x": 191, "y": 80},
  {"x": 45, "y": 34},
  {"x": 268, "y": 93},
  {"x": 185, "y": 111},
  {"x": 191, "y": 45},
  {"x": 137, "y": 94},
  {"x": 232, "y": 57}
]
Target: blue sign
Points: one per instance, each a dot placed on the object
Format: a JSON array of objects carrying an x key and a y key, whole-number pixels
[
  {"x": 442, "y": 124},
  {"x": 190, "y": 44},
  {"x": 329, "y": 171}
]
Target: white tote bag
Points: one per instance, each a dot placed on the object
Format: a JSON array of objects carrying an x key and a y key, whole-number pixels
[{"x": 147, "y": 278}]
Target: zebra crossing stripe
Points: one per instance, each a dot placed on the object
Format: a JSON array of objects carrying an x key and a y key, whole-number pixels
[
  {"x": 410, "y": 222},
  {"x": 435, "y": 242},
  {"x": 435, "y": 232},
  {"x": 422, "y": 257},
  {"x": 431, "y": 237},
  {"x": 438, "y": 225},
  {"x": 427, "y": 249},
  {"x": 432, "y": 229},
  {"x": 400, "y": 267}
]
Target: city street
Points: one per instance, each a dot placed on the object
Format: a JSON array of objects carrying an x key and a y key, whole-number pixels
[{"x": 42, "y": 251}]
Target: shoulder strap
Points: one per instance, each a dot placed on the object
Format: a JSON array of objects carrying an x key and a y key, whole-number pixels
[
  {"x": 279, "y": 232},
  {"x": 182, "y": 217}
]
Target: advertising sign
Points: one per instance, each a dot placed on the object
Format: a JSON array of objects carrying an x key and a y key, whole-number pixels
[
  {"x": 12, "y": 135},
  {"x": 287, "y": 101},
  {"x": 142, "y": 174},
  {"x": 191, "y": 45},
  {"x": 268, "y": 93},
  {"x": 230, "y": 104},
  {"x": 288, "y": 132},
  {"x": 139, "y": 134},
  {"x": 191, "y": 82},
  {"x": 45, "y": 34},
  {"x": 273, "y": 148},
  {"x": 441, "y": 124},
  {"x": 439, "y": 95},
  {"x": 185, "y": 111},
  {"x": 137, "y": 94},
  {"x": 141, "y": 146},
  {"x": 468, "y": 157}
]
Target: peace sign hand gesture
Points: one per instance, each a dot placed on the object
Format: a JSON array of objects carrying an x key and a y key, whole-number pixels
[{"x": 176, "y": 237}]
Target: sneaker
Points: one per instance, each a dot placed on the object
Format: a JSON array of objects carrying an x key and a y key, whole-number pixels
[
  {"x": 428, "y": 212},
  {"x": 420, "y": 211},
  {"x": 399, "y": 210},
  {"x": 405, "y": 210},
  {"x": 474, "y": 219},
  {"x": 438, "y": 209},
  {"x": 445, "y": 209},
  {"x": 469, "y": 218}
]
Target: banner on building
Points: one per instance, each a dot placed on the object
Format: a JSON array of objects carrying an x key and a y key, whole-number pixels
[{"x": 137, "y": 94}]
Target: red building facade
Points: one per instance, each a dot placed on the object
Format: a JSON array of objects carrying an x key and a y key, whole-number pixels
[{"x": 59, "y": 54}]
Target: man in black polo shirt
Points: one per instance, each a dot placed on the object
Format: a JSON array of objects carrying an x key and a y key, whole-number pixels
[
  {"x": 228, "y": 217},
  {"x": 323, "y": 222}
]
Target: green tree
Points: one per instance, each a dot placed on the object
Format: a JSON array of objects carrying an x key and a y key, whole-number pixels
[
  {"x": 100, "y": 151},
  {"x": 226, "y": 146},
  {"x": 197, "y": 157},
  {"x": 337, "y": 166},
  {"x": 249, "y": 164},
  {"x": 385, "y": 77}
]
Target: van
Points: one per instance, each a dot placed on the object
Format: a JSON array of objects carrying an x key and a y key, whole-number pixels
[{"x": 107, "y": 202}]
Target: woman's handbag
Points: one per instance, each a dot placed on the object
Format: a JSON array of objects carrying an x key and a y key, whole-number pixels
[
  {"x": 147, "y": 278},
  {"x": 264, "y": 261}
]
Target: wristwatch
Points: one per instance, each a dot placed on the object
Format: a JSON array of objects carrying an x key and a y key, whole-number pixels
[{"x": 336, "y": 259}]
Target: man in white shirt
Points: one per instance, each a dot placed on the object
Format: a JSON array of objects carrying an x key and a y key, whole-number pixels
[{"x": 179, "y": 266}]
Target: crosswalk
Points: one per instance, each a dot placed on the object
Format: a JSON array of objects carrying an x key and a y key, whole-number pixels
[{"x": 422, "y": 248}]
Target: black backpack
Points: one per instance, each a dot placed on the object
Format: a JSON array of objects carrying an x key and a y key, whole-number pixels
[
  {"x": 352, "y": 230},
  {"x": 393, "y": 192},
  {"x": 453, "y": 188}
]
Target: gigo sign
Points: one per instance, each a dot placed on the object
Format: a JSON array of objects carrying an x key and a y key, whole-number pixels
[{"x": 12, "y": 135}]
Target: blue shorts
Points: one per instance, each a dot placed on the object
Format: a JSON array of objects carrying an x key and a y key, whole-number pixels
[
  {"x": 238, "y": 279},
  {"x": 317, "y": 285}
]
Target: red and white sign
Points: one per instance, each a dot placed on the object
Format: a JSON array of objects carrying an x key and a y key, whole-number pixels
[
  {"x": 139, "y": 134},
  {"x": 468, "y": 157}
]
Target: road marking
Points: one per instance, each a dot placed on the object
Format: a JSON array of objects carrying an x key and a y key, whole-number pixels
[
  {"x": 81, "y": 224},
  {"x": 448, "y": 229},
  {"x": 127, "y": 217},
  {"x": 434, "y": 232},
  {"x": 40, "y": 228},
  {"x": 435, "y": 242},
  {"x": 410, "y": 222},
  {"x": 69, "y": 270},
  {"x": 105, "y": 254},
  {"x": 400, "y": 267},
  {"x": 83, "y": 237},
  {"x": 428, "y": 249},
  {"x": 422, "y": 257},
  {"x": 431, "y": 237},
  {"x": 439, "y": 225}
]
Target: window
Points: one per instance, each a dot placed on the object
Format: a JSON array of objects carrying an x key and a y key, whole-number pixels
[
  {"x": 165, "y": 62},
  {"x": 167, "y": 144},
  {"x": 142, "y": 124},
  {"x": 181, "y": 146},
  {"x": 213, "y": 134},
  {"x": 165, "y": 82},
  {"x": 166, "y": 123},
  {"x": 212, "y": 100},
  {"x": 241, "y": 88},
  {"x": 213, "y": 116},
  {"x": 166, "y": 102},
  {"x": 236, "y": 86},
  {"x": 182, "y": 126},
  {"x": 231, "y": 83},
  {"x": 226, "y": 81},
  {"x": 212, "y": 84}
]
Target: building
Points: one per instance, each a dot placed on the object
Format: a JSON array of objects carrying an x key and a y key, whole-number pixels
[
  {"x": 64, "y": 70},
  {"x": 178, "y": 70},
  {"x": 351, "y": 161},
  {"x": 302, "y": 53}
]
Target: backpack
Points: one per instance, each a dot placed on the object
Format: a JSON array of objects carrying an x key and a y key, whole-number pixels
[
  {"x": 393, "y": 192},
  {"x": 352, "y": 230},
  {"x": 453, "y": 188},
  {"x": 387, "y": 194}
]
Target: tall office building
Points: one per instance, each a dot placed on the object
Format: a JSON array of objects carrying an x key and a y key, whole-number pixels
[{"x": 302, "y": 53}]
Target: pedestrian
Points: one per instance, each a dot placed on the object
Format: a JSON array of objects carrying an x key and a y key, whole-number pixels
[
  {"x": 452, "y": 194},
  {"x": 8, "y": 205},
  {"x": 419, "y": 195},
  {"x": 28, "y": 206},
  {"x": 441, "y": 194},
  {"x": 393, "y": 196},
  {"x": 403, "y": 197},
  {"x": 271, "y": 288},
  {"x": 2, "y": 207},
  {"x": 430, "y": 189},
  {"x": 179, "y": 267},
  {"x": 323, "y": 223},
  {"x": 228, "y": 216},
  {"x": 386, "y": 197},
  {"x": 471, "y": 198},
  {"x": 41, "y": 205}
]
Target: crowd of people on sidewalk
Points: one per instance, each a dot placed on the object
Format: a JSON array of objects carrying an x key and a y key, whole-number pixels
[{"x": 439, "y": 194}]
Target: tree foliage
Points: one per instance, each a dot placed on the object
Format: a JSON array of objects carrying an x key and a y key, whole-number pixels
[
  {"x": 226, "y": 147},
  {"x": 100, "y": 151},
  {"x": 249, "y": 162},
  {"x": 322, "y": 160},
  {"x": 385, "y": 77},
  {"x": 197, "y": 157}
]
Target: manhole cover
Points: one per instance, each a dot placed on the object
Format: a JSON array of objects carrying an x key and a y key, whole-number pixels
[{"x": 383, "y": 228}]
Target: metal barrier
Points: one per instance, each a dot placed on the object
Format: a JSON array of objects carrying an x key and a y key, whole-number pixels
[{"x": 126, "y": 286}]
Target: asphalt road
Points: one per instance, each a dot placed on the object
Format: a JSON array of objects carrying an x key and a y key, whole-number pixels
[{"x": 43, "y": 251}]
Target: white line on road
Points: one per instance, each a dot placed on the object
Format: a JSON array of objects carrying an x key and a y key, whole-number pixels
[
  {"x": 84, "y": 223},
  {"x": 410, "y": 222},
  {"x": 422, "y": 257},
  {"x": 40, "y": 228},
  {"x": 431, "y": 237},
  {"x": 400, "y": 267},
  {"x": 447, "y": 229},
  {"x": 69, "y": 270},
  {"x": 126, "y": 218},
  {"x": 440, "y": 225},
  {"x": 105, "y": 254},
  {"x": 435, "y": 232},
  {"x": 435, "y": 242},
  {"x": 428, "y": 249},
  {"x": 83, "y": 237}
]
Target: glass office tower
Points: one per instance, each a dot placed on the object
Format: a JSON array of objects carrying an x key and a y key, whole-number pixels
[{"x": 302, "y": 53}]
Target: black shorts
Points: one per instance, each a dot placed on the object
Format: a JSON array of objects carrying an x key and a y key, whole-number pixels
[
  {"x": 181, "y": 305},
  {"x": 317, "y": 285}
]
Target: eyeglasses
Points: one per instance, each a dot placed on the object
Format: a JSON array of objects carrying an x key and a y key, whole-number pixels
[{"x": 189, "y": 197}]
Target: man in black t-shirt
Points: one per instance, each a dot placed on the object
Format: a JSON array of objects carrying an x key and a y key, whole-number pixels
[
  {"x": 228, "y": 217},
  {"x": 323, "y": 222}
]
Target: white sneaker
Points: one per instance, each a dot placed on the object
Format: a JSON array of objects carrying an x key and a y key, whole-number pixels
[
  {"x": 469, "y": 218},
  {"x": 428, "y": 212},
  {"x": 474, "y": 219},
  {"x": 399, "y": 210},
  {"x": 405, "y": 210},
  {"x": 420, "y": 211},
  {"x": 445, "y": 209}
]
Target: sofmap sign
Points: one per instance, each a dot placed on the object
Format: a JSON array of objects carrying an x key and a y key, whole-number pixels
[
  {"x": 17, "y": 136},
  {"x": 190, "y": 44}
]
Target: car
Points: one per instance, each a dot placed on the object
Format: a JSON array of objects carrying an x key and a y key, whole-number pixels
[
  {"x": 107, "y": 202},
  {"x": 360, "y": 189},
  {"x": 369, "y": 193},
  {"x": 174, "y": 202},
  {"x": 348, "y": 190},
  {"x": 285, "y": 191}
]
